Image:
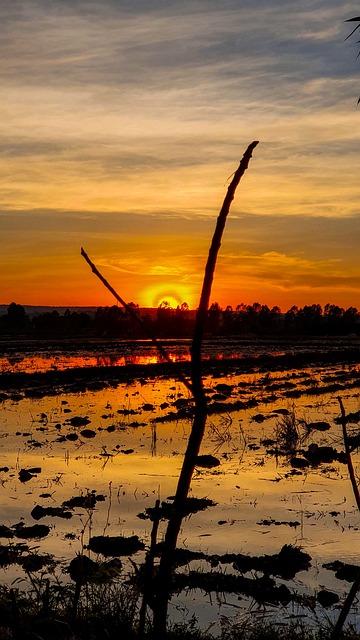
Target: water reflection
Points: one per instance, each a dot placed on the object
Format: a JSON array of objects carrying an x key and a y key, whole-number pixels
[
  {"x": 256, "y": 493},
  {"x": 41, "y": 358},
  {"x": 40, "y": 364},
  {"x": 249, "y": 486}
]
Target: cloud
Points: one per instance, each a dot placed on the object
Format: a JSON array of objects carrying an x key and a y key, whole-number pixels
[{"x": 123, "y": 121}]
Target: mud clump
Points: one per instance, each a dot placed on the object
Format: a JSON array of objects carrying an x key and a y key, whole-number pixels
[
  {"x": 36, "y": 562},
  {"x": 34, "y": 531},
  {"x": 207, "y": 461},
  {"x": 191, "y": 505},
  {"x": 316, "y": 455},
  {"x": 318, "y": 426},
  {"x": 327, "y": 598},
  {"x": 26, "y": 474},
  {"x": 78, "y": 421},
  {"x": 83, "y": 570},
  {"x": 343, "y": 571},
  {"x": 88, "y": 433},
  {"x": 285, "y": 564},
  {"x": 72, "y": 437},
  {"x": 39, "y": 512},
  {"x": 263, "y": 590},
  {"x": 6, "y": 532},
  {"x": 84, "y": 502},
  {"x": 116, "y": 545}
]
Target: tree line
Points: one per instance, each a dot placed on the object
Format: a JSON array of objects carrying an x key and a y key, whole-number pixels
[{"x": 243, "y": 320}]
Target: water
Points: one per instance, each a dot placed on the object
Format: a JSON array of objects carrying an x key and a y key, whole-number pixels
[
  {"x": 40, "y": 356},
  {"x": 135, "y": 456}
]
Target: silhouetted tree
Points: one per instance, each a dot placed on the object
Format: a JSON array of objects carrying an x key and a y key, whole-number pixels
[
  {"x": 310, "y": 319},
  {"x": 48, "y": 323},
  {"x": 228, "y": 320},
  {"x": 333, "y": 319},
  {"x": 180, "y": 322},
  {"x": 275, "y": 320},
  {"x": 213, "y": 323},
  {"x": 291, "y": 320},
  {"x": 110, "y": 321},
  {"x": 252, "y": 317},
  {"x": 351, "y": 320},
  {"x": 164, "y": 315},
  {"x": 16, "y": 321}
]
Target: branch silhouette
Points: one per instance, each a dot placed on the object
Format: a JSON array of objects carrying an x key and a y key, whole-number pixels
[
  {"x": 135, "y": 317},
  {"x": 338, "y": 627},
  {"x": 197, "y": 432}
]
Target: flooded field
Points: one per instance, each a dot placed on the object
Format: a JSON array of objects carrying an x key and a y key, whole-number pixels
[
  {"x": 87, "y": 462},
  {"x": 41, "y": 356}
]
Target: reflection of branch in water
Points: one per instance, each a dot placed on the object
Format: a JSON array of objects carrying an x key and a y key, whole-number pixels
[
  {"x": 107, "y": 456},
  {"x": 153, "y": 439},
  {"x": 107, "y": 523},
  {"x": 149, "y": 569},
  {"x": 336, "y": 632}
]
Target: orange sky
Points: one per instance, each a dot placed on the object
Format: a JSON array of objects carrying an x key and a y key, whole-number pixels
[{"x": 122, "y": 125}]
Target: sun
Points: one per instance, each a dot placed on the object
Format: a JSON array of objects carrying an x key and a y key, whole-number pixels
[
  {"x": 170, "y": 300},
  {"x": 154, "y": 296}
]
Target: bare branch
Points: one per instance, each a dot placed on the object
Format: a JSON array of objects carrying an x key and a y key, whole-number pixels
[
  {"x": 199, "y": 423},
  {"x": 135, "y": 317},
  {"x": 211, "y": 263}
]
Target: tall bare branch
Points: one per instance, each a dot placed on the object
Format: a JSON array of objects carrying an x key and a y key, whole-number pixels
[{"x": 198, "y": 427}]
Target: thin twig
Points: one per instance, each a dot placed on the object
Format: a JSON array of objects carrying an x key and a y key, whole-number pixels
[
  {"x": 135, "y": 317},
  {"x": 148, "y": 570}
]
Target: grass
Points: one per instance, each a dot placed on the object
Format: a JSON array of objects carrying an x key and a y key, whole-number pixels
[
  {"x": 287, "y": 432},
  {"x": 110, "y": 611}
]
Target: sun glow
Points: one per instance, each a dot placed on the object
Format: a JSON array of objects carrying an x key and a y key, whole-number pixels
[{"x": 175, "y": 296}]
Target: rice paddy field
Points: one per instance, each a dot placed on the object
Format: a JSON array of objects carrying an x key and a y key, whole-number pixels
[{"x": 92, "y": 435}]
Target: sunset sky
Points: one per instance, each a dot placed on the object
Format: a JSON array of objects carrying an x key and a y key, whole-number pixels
[{"x": 122, "y": 122}]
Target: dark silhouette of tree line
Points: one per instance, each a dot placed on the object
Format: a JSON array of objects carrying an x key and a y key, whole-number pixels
[
  {"x": 260, "y": 320},
  {"x": 244, "y": 320}
]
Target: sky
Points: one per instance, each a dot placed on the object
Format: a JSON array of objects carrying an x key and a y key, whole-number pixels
[{"x": 122, "y": 123}]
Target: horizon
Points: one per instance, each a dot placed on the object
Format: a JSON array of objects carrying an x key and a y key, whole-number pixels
[{"x": 283, "y": 310}]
